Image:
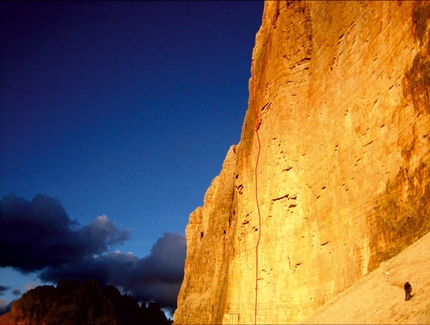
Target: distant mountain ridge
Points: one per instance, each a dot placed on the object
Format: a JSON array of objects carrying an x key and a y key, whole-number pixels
[{"x": 81, "y": 303}]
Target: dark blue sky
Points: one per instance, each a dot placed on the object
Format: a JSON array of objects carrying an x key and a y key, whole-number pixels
[{"x": 122, "y": 109}]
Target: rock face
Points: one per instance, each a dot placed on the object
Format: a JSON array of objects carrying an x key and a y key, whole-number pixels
[
  {"x": 379, "y": 298},
  {"x": 331, "y": 175},
  {"x": 81, "y": 303}
]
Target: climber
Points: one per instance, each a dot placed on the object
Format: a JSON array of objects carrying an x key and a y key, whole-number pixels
[{"x": 408, "y": 289}]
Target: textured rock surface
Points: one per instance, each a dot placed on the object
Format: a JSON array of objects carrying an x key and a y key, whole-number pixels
[
  {"x": 339, "y": 95},
  {"x": 379, "y": 298},
  {"x": 81, "y": 303}
]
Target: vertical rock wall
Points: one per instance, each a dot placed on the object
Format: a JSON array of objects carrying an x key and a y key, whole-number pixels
[{"x": 339, "y": 94}]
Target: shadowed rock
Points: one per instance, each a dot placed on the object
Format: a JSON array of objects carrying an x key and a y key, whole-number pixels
[{"x": 81, "y": 303}]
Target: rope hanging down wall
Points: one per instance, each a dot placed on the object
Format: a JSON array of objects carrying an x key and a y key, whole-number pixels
[
  {"x": 257, "y": 122},
  {"x": 263, "y": 56}
]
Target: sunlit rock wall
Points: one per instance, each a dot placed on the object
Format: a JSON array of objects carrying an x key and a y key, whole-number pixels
[{"x": 339, "y": 95}]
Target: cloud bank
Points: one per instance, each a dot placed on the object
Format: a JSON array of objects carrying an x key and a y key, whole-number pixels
[
  {"x": 39, "y": 236},
  {"x": 39, "y": 233},
  {"x": 3, "y": 289},
  {"x": 16, "y": 292}
]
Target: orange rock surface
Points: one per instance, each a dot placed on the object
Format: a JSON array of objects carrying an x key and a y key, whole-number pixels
[
  {"x": 334, "y": 154},
  {"x": 379, "y": 298}
]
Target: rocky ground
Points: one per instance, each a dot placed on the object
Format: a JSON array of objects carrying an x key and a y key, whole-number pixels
[{"x": 379, "y": 298}]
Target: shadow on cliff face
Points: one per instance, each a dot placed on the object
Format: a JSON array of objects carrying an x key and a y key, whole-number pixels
[
  {"x": 418, "y": 77},
  {"x": 418, "y": 82},
  {"x": 400, "y": 215},
  {"x": 420, "y": 16}
]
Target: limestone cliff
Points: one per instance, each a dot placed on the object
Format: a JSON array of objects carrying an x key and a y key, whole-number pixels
[{"x": 331, "y": 175}]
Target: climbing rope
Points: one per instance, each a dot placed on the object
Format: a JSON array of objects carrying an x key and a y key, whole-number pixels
[{"x": 256, "y": 193}]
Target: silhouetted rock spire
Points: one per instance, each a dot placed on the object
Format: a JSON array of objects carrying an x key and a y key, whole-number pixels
[{"x": 81, "y": 303}]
